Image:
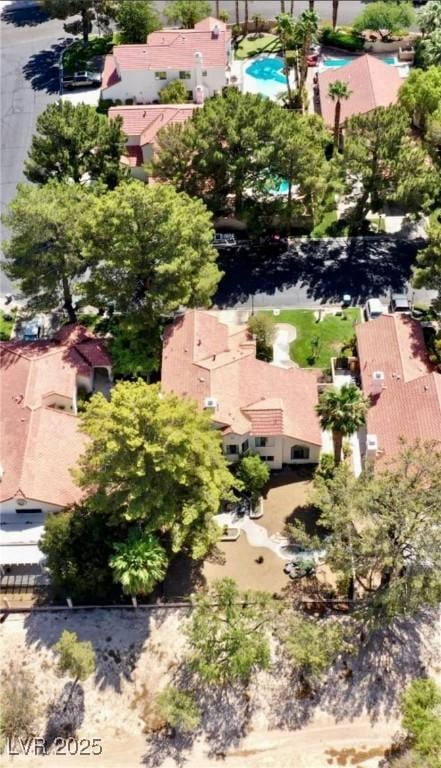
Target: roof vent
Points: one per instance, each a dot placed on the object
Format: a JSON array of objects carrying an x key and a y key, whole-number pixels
[
  {"x": 210, "y": 402},
  {"x": 371, "y": 446},
  {"x": 378, "y": 376},
  {"x": 198, "y": 57}
]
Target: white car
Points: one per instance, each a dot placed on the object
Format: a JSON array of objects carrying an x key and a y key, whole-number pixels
[{"x": 374, "y": 309}]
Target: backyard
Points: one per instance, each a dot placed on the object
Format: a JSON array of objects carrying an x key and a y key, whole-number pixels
[
  {"x": 317, "y": 342},
  {"x": 253, "y": 45}
]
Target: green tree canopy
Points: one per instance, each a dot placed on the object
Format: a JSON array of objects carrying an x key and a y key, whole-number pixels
[
  {"x": 89, "y": 10},
  {"x": 74, "y": 142},
  {"x": 78, "y": 544},
  {"x": 421, "y": 711},
  {"x": 343, "y": 411},
  {"x": 178, "y": 708},
  {"x": 253, "y": 473},
  {"x": 136, "y": 19},
  {"x": 385, "y": 532},
  {"x": 139, "y": 563},
  {"x": 420, "y": 94},
  {"x": 262, "y": 326},
  {"x": 427, "y": 273},
  {"x": 187, "y": 12},
  {"x": 312, "y": 645},
  {"x": 45, "y": 252},
  {"x": 228, "y": 633},
  {"x": 174, "y": 92},
  {"x": 385, "y": 18},
  {"x": 151, "y": 252},
  {"x": 383, "y": 162},
  {"x": 154, "y": 458},
  {"x": 75, "y": 658},
  {"x": 429, "y": 17}
]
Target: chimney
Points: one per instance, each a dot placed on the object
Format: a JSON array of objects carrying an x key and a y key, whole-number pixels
[
  {"x": 371, "y": 448},
  {"x": 215, "y": 32},
  {"x": 377, "y": 384}
]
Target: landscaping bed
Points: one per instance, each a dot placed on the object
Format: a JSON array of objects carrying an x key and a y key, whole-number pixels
[
  {"x": 317, "y": 342},
  {"x": 6, "y": 325},
  {"x": 341, "y": 37}
]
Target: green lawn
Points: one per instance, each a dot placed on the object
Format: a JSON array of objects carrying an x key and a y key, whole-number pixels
[
  {"x": 79, "y": 57},
  {"x": 252, "y": 46},
  {"x": 332, "y": 333},
  {"x": 6, "y": 326}
]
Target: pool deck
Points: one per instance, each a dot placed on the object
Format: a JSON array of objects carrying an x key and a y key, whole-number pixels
[{"x": 248, "y": 84}]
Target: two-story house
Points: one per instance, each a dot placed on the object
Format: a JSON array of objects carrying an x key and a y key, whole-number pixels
[
  {"x": 41, "y": 442},
  {"x": 198, "y": 57},
  {"x": 257, "y": 406}
]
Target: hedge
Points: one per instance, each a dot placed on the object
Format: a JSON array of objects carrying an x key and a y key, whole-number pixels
[{"x": 339, "y": 38}]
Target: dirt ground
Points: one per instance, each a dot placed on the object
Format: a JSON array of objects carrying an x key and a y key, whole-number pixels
[{"x": 351, "y": 721}]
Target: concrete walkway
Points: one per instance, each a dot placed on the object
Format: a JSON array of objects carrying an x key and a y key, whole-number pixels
[
  {"x": 285, "y": 335},
  {"x": 257, "y": 535}
]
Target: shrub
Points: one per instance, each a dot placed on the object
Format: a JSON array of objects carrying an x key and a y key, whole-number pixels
[
  {"x": 17, "y": 703},
  {"x": 178, "y": 709},
  {"x": 253, "y": 473},
  {"x": 340, "y": 38},
  {"x": 262, "y": 327}
]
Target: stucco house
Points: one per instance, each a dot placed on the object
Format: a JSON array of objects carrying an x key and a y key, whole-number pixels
[
  {"x": 40, "y": 386},
  {"x": 199, "y": 57},
  {"x": 141, "y": 124},
  {"x": 401, "y": 383},
  {"x": 372, "y": 83},
  {"x": 257, "y": 406}
]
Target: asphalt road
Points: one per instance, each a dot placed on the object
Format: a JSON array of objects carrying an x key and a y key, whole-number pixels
[
  {"x": 315, "y": 272},
  {"x": 30, "y": 47}
]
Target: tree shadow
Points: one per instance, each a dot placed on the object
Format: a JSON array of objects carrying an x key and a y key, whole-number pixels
[
  {"x": 380, "y": 672},
  {"x": 117, "y": 636},
  {"x": 27, "y": 16},
  {"x": 184, "y": 576},
  {"x": 65, "y": 714},
  {"x": 42, "y": 69},
  {"x": 325, "y": 268}
]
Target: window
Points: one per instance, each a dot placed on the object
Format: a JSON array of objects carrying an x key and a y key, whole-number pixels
[
  {"x": 299, "y": 452},
  {"x": 160, "y": 75},
  {"x": 245, "y": 446},
  {"x": 267, "y": 458},
  {"x": 260, "y": 442},
  {"x": 184, "y": 75},
  {"x": 232, "y": 449},
  {"x": 204, "y": 73},
  {"x": 28, "y": 511}
]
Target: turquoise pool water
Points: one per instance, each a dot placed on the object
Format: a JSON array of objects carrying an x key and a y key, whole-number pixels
[
  {"x": 331, "y": 63},
  {"x": 268, "y": 76},
  {"x": 281, "y": 189}
]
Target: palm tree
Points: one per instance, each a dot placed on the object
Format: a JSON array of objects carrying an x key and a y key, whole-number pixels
[
  {"x": 338, "y": 91},
  {"x": 246, "y": 18},
  {"x": 311, "y": 5},
  {"x": 258, "y": 21},
  {"x": 334, "y": 13},
  {"x": 139, "y": 563},
  {"x": 285, "y": 31},
  {"x": 282, "y": 6},
  {"x": 217, "y": 9},
  {"x": 343, "y": 411},
  {"x": 237, "y": 12},
  {"x": 224, "y": 16},
  {"x": 307, "y": 28},
  {"x": 291, "y": 8}
]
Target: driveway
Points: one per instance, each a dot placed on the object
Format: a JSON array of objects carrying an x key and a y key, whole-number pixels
[
  {"x": 31, "y": 45},
  {"x": 317, "y": 272}
]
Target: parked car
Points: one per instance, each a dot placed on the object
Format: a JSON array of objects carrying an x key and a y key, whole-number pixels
[
  {"x": 82, "y": 80},
  {"x": 373, "y": 309},
  {"x": 224, "y": 240},
  {"x": 400, "y": 303},
  {"x": 297, "y": 570}
]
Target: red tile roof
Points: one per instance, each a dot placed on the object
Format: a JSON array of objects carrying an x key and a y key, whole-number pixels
[
  {"x": 408, "y": 402},
  {"x": 204, "y": 357},
  {"x": 372, "y": 83},
  {"x": 40, "y": 444},
  {"x": 146, "y": 121}
]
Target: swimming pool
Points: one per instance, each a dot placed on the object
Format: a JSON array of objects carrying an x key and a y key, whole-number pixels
[
  {"x": 335, "y": 63},
  {"x": 265, "y": 76}
]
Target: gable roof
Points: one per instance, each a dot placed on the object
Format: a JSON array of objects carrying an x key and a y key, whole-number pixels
[
  {"x": 372, "y": 83},
  {"x": 39, "y": 443},
  {"x": 144, "y": 122},
  {"x": 205, "y": 357},
  {"x": 409, "y": 404}
]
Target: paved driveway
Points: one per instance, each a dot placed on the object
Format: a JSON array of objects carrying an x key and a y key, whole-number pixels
[
  {"x": 316, "y": 272},
  {"x": 31, "y": 45}
]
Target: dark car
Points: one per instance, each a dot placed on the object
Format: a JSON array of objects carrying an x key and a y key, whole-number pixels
[{"x": 400, "y": 303}]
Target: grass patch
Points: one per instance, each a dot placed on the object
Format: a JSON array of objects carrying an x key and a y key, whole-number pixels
[
  {"x": 252, "y": 46},
  {"x": 332, "y": 333},
  {"x": 330, "y": 226},
  {"x": 6, "y": 325},
  {"x": 79, "y": 56}
]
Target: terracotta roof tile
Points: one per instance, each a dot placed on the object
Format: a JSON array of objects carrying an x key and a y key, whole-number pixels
[
  {"x": 372, "y": 83},
  {"x": 204, "y": 357},
  {"x": 144, "y": 122},
  {"x": 407, "y": 403}
]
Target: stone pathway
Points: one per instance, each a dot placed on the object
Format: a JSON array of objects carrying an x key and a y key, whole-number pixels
[
  {"x": 257, "y": 535},
  {"x": 285, "y": 335}
]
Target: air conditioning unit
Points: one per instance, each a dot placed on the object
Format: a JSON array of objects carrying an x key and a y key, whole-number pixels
[
  {"x": 210, "y": 402},
  {"x": 378, "y": 376}
]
